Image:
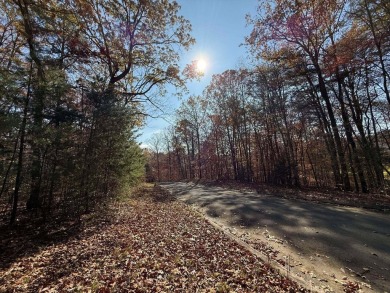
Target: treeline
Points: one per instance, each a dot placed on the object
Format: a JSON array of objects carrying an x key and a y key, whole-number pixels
[
  {"x": 312, "y": 110},
  {"x": 74, "y": 80}
]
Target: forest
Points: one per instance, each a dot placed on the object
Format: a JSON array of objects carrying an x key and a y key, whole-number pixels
[
  {"x": 311, "y": 108},
  {"x": 75, "y": 78},
  {"x": 84, "y": 207}
]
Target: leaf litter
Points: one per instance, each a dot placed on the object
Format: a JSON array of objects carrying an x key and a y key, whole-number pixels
[{"x": 148, "y": 243}]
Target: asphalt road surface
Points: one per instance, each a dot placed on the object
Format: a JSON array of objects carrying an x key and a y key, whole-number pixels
[{"x": 328, "y": 244}]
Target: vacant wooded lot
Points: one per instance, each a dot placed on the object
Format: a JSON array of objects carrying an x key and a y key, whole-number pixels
[{"x": 99, "y": 97}]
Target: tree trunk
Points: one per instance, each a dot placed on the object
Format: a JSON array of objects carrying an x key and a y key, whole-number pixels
[{"x": 18, "y": 179}]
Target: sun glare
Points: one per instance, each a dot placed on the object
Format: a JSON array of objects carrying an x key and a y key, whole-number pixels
[{"x": 201, "y": 65}]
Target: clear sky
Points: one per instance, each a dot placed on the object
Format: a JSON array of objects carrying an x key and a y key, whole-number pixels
[{"x": 219, "y": 27}]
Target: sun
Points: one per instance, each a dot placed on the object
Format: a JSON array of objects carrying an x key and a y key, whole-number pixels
[{"x": 201, "y": 65}]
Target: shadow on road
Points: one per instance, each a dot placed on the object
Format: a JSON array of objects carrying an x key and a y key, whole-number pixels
[{"x": 350, "y": 237}]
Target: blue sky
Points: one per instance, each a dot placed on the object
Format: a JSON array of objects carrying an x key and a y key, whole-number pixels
[{"x": 219, "y": 27}]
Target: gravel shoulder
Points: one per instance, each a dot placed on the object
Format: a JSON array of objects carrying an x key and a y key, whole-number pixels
[{"x": 327, "y": 245}]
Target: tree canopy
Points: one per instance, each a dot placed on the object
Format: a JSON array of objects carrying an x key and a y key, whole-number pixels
[
  {"x": 310, "y": 109},
  {"x": 74, "y": 80}
]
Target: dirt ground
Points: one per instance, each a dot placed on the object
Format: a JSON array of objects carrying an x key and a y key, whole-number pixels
[{"x": 324, "y": 245}]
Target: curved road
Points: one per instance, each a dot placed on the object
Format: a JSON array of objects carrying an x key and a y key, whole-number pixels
[{"x": 328, "y": 244}]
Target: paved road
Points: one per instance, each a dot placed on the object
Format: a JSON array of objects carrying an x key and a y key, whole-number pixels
[{"x": 346, "y": 241}]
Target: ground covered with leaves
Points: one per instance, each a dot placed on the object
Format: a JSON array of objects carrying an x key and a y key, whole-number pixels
[{"x": 148, "y": 243}]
